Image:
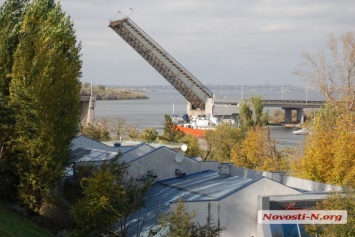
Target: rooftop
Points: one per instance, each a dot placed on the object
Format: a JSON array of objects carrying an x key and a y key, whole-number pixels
[{"x": 202, "y": 186}]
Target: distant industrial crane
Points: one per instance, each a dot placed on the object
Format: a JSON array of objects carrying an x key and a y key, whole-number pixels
[{"x": 198, "y": 96}]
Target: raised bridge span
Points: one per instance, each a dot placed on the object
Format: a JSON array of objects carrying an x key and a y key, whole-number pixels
[
  {"x": 179, "y": 77},
  {"x": 200, "y": 98}
]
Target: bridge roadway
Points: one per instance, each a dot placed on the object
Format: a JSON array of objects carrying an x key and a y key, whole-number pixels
[{"x": 287, "y": 105}]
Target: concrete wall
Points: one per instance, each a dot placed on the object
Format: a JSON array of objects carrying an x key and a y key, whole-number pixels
[{"x": 162, "y": 162}]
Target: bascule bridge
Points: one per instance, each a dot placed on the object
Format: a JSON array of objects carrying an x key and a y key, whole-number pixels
[{"x": 199, "y": 97}]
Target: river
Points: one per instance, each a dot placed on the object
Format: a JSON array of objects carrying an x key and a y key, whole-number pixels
[{"x": 150, "y": 113}]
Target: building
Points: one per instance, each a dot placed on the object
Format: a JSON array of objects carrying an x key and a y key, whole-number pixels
[{"x": 232, "y": 195}]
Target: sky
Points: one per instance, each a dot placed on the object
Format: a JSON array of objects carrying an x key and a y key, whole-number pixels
[{"x": 228, "y": 42}]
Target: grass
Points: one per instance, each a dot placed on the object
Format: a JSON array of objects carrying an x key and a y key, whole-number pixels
[{"x": 15, "y": 225}]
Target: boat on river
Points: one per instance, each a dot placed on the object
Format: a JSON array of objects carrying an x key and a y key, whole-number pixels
[{"x": 302, "y": 131}]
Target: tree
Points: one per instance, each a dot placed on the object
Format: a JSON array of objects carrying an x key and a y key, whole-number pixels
[
  {"x": 329, "y": 156},
  {"x": 171, "y": 132},
  {"x": 219, "y": 142},
  {"x": 193, "y": 149},
  {"x": 258, "y": 151},
  {"x": 11, "y": 15},
  {"x": 332, "y": 71},
  {"x": 251, "y": 114},
  {"x": 107, "y": 199},
  {"x": 149, "y": 134},
  {"x": 98, "y": 131},
  {"x": 336, "y": 201},
  {"x": 180, "y": 223},
  {"x": 102, "y": 201},
  {"x": 44, "y": 93},
  {"x": 118, "y": 126}
]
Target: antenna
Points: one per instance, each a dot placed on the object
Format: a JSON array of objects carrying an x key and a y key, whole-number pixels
[
  {"x": 132, "y": 9},
  {"x": 119, "y": 11},
  {"x": 91, "y": 87},
  {"x": 208, "y": 76},
  {"x": 242, "y": 91}
]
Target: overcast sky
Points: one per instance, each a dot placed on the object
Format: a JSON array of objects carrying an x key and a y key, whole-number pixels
[{"x": 220, "y": 42}]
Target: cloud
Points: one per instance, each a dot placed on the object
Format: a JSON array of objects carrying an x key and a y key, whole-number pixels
[{"x": 241, "y": 41}]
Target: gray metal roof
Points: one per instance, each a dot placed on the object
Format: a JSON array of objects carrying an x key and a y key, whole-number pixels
[
  {"x": 206, "y": 185},
  {"x": 202, "y": 186}
]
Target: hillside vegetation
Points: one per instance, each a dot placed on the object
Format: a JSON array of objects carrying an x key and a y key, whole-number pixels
[{"x": 103, "y": 93}]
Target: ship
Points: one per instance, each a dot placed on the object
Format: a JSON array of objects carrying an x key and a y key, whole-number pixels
[{"x": 198, "y": 125}]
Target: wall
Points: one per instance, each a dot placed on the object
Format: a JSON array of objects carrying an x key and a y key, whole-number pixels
[{"x": 238, "y": 212}]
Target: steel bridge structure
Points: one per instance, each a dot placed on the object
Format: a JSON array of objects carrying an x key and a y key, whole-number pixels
[{"x": 179, "y": 77}]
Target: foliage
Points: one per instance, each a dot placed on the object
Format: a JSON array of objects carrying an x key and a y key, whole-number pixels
[
  {"x": 102, "y": 201},
  {"x": 107, "y": 199},
  {"x": 44, "y": 93},
  {"x": 170, "y": 132},
  {"x": 336, "y": 201},
  {"x": 11, "y": 15},
  {"x": 103, "y": 93},
  {"x": 180, "y": 223},
  {"x": 277, "y": 116},
  {"x": 149, "y": 134},
  {"x": 258, "y": 151},
  {"x": 332, "y": 71},
  {"x": 132, "y": 131},
  {"x": 219, "y": 142},
  {"x": 193, "y": 149},
  {"x": 329, "y": 156},
  {"x": 251, "y": 114},
  {"x": 101, "y": 87},
  {"x": 98, "y": 131}
]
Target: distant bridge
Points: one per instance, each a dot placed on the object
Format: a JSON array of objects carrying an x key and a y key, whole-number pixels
[{"x": 287, "y": 105}]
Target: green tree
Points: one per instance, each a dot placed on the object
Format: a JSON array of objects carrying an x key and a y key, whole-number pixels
[
  {"x": 251, "y": 114},
  {"x": 44, "y": 93},
  {"x": 219, "y": 142},
  {"x": 11, "y": 16},
  {"x": 171, "y": 133},
  {"x": 149, "y": 134},
  {"x": 193, "y": 148},
  {"x": 179, "y": 222},
  {"x": 102, "y": 201},
  {"x": 336, "y": 201},
  {"x": 98, "y": 131},
  {"x": 107, "y": 199}
]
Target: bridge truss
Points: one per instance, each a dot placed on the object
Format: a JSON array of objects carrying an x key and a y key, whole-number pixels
[{"x": 180, "y": 78}]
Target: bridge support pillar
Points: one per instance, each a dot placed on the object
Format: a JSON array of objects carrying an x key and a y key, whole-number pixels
[
  {"x": 288, "y": 115},
  {"x": 207, "y": 111},
  {"x": 300, "y": 115}
]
